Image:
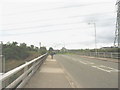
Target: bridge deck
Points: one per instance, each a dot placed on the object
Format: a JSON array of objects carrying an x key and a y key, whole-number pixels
[{"x": 50, "y": 75}]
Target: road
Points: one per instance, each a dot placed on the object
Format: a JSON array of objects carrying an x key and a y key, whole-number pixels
[{"x": 89, "y": 72}]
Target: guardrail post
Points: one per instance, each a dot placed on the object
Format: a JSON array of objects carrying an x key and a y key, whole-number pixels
[
  {"x": 25, "y": 69},
  {"x": 34, "y": 67},
  {"x": 27, "y": 72},
  {"x": 90, "y": 53},
  {"x": 0, "y": 71},
  {"x": 104, "y": 54},
  {"x": 111, "y": 55},
  {"x": 98, "y": 54}
]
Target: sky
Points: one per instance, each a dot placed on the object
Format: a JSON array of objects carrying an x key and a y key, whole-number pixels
[{"x": 58, "y": 23}]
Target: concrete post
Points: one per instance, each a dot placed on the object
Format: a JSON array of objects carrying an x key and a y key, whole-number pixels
[{"x": 1, "y": 65}]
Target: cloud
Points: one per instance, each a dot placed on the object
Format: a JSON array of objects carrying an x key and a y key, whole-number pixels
[{"x": 60, "y": 21}]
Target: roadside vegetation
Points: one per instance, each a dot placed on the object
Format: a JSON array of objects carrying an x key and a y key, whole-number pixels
[
  {"x": 103, "y": 49},
  {"x": 16, "y": 55}
]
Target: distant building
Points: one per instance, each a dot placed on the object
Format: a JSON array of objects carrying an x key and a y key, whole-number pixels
[{"x": 63, "y": 49}]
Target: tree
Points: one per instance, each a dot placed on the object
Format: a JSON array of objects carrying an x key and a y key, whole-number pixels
[
  {"x": 43, "y": 50},
  {"x": 51, "y": 49},
  {"x": 22, "y": 51},
  {"x": 14, "y": 43},
  {"x": 32, "y": 47}
]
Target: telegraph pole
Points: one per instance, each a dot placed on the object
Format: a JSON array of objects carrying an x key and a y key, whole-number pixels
[
  {"x": 95, "y": 36},
  {"x": 39, "y": 46},
  {"x": 2, "y": 59}
]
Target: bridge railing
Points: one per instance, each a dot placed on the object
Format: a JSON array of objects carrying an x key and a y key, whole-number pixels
[
  {"x": 113, "y": 55},
  {"x": 19, "y": 76}
]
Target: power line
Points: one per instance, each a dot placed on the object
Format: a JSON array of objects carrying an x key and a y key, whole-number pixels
[
  {"x": 64, "y": 7},
  {"x": 47, "y": 19},
  {"x": 68, "y": 17},
  {"x": 47, "y": 31},
  {"x": 41, "y": 26}
]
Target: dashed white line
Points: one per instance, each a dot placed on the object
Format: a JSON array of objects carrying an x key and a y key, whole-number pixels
[
  {"x": 89, "y": 62},
  {"x": 82, "y": 62},
  {"x": 100, "y": 67}
]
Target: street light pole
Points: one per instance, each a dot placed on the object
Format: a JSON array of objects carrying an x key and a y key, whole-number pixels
[{"x": 95, "y": 37}]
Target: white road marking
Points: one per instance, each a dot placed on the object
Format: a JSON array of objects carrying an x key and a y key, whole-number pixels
[
  {"x": 86, "y": 62},
  {"x": 82, "y": 62},
  {"x": 105, "y": 68},
  {"x": 100, "y": 68},
  {"x": 112, "y": 69},
  {"x": 89, "y": 62}
]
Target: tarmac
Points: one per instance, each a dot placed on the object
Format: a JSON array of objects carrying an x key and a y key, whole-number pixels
[{"x": 50, "y": 75}]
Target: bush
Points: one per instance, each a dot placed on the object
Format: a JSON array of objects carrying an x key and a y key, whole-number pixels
[{"x": 13, "y": 51}]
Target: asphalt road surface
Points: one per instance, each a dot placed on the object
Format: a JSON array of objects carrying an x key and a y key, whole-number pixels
[{"x": 90, "y": 72}]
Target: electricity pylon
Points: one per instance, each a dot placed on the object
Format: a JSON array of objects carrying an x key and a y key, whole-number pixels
[{"x": 117, "y": 31}]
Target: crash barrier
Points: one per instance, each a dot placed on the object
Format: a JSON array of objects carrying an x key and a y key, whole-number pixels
[
  {"x": 113, "y": 55},
  {"x": 19, "y": 76}
]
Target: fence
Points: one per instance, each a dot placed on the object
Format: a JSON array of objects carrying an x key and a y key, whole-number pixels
[
  {"x": 114, "y": 55},
  {"x": 19, "y": 76}
]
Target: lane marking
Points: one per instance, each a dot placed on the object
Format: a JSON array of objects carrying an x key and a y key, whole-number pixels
[
  {"x": 100, "y": 68},
  {"x": 82, "y": 62},
  {"x": 86, "y": 62},
  {"x": 112, "y": 69},
  {"x": 105, "y": 68},
  {"x": 89, "y": 62}
]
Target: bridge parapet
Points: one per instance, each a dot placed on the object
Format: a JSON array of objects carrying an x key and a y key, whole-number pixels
[{"x": 19, "y": 76}]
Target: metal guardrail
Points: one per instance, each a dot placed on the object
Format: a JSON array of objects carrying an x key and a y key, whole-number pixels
[
  {"x": 19, "y": 76},
  {"x": 113, "y": 55}
]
